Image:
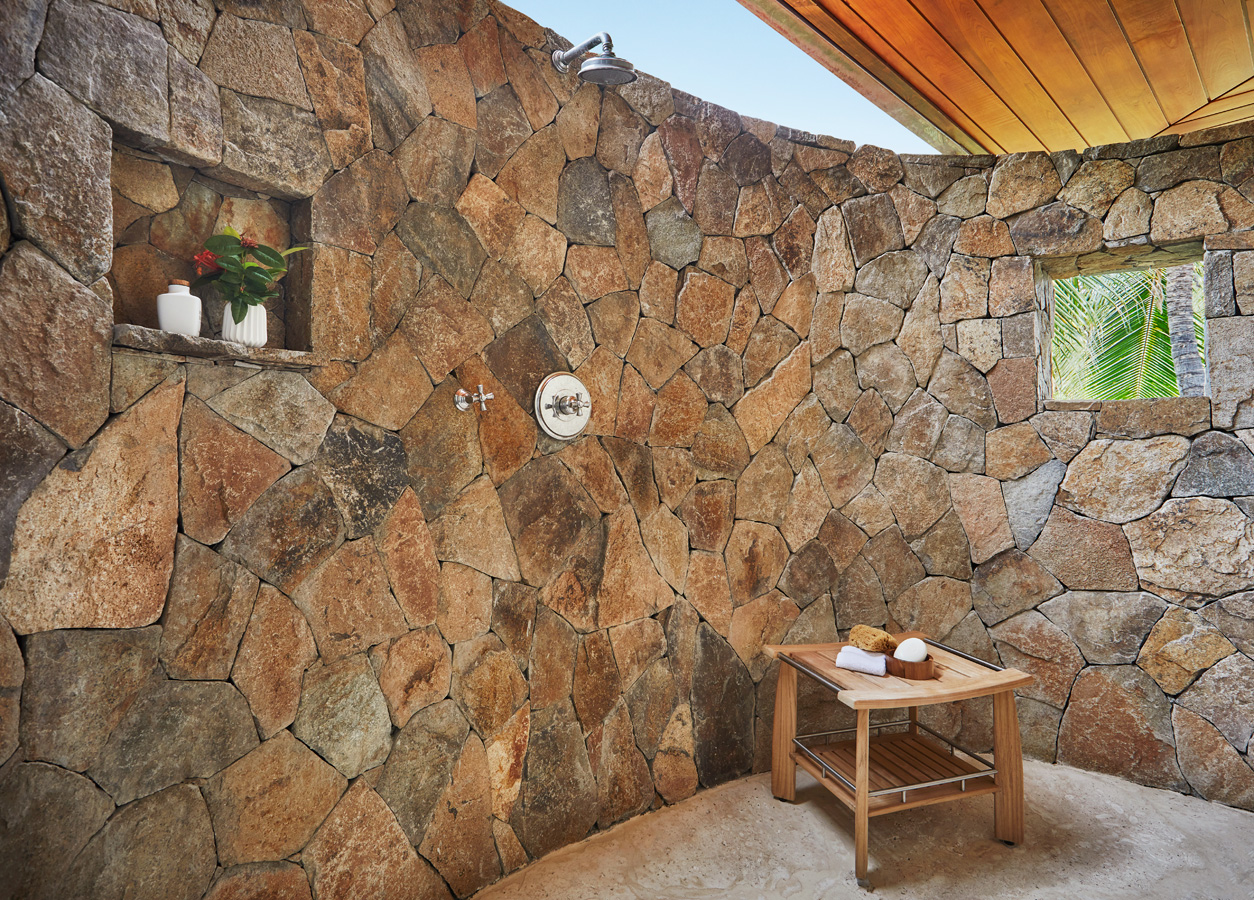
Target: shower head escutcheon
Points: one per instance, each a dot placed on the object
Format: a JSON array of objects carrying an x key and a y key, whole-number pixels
[{"x": 604, "y": 69}]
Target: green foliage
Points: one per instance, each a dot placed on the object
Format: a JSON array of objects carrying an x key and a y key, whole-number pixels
[
  {"x": 1112, "y": 338},
  {"x": 246, "y": 273}
]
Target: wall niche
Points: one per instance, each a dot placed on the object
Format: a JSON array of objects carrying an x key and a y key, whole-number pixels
[{"x": 162, "y": 215}]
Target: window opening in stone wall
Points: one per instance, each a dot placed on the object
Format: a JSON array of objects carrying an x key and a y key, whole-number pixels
[
  {"x": 1129, "y": 335},
  {"x": 162, "y": 215}
]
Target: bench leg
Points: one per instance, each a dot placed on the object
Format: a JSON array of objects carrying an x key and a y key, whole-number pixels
[
  {"x": 783, "y": 765},
  {"x": 1008, "y": 757},
  {"x": 862, "y": 762}
]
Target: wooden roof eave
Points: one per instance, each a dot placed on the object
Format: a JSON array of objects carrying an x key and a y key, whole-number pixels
[{"x": 855, "y": 64}]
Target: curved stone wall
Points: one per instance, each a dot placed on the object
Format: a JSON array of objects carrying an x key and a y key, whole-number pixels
[{"x": 272, "y": 629}]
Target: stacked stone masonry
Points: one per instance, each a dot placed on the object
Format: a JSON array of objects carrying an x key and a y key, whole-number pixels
[{"x": 269, "y": 632}]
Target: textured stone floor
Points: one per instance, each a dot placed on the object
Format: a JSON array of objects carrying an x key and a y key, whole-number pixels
[{"x": 1090, "y": 836}]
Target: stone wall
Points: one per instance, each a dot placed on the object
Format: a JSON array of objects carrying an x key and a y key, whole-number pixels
[{"x": 270, "y": 629}]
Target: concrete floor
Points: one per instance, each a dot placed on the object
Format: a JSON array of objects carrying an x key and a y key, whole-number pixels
[{"x": 1089, "y": 837}]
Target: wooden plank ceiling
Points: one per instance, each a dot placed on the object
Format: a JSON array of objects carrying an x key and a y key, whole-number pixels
[{"x": 1003, "y": 76}]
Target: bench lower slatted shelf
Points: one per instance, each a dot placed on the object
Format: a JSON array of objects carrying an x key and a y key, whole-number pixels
[{"x": 906, "y": 771}]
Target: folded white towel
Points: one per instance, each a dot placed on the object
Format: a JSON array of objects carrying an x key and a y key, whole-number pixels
[{"x": 858, "y": 660}]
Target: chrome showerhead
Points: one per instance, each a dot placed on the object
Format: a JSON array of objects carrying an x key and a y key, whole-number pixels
[{"x": 603, "y": 69}]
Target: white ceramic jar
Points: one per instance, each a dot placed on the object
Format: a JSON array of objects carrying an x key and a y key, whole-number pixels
[
  {"x": 251, "y": 332},
  {"x": 178, "y": 310}
]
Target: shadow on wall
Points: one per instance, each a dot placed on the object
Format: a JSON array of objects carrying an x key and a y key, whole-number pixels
[{"x": 266, "y": 613}]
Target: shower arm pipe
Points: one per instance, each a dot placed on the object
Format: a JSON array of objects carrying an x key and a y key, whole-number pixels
[{"x": 562, "y": 60}]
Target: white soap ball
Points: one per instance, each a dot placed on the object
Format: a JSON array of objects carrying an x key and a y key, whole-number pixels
[{"x": 911, "y": 650}]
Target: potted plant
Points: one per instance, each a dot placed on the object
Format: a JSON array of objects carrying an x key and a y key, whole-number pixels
[{"x": 247, "y": 275}]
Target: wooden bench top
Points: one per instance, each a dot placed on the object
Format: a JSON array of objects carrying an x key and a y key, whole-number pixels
[{"x": 959, "y": 678}]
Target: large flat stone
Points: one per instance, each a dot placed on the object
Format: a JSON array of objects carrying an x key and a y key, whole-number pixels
[
  {"x": 365, "y": 468},
  {"x": 57, "y": 334},
  {"x": 722, "y": 710},
  {"x": 1033, "y": 644},
  {"x": 347, "y": 602},
  {"x": 175, "y": 730},
  {"x": 361, "y": 851},
  {"x": 1196, "y": 545},
  {"x": 1118, "y": 481},
  {"x": 1010, "y": 583},
  {"x": 557, "y": 803},
  {"x": 1212, "y": 766},
  {"x": 127, "y": 87},
  {"x": 1108, "y": 627},
  {"x": 267, "y": 805},
  {"x": 271, "y": 147},
  {"x": 93, "y": 545},
  {"x": 459, "y": 841},
  {"x": 265, "y": 542},
  {"x": 420, "y": 765},
  {"x": 443, "y": 449},
  {"x": 281, "y": 410},
  {"x": 27, "y": 453},
  {"x": 1119, "y": 722},
  {"x": 1180, "y": 647},
  {"x": 78, "y": 686},
  {"x": 161, "y": 847},
  {"x": 255, "y": 58},
  {"x": 1219, "y": 695},
  {"x": 343, "y": 716}
]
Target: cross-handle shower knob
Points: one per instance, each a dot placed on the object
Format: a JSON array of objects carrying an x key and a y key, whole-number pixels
[
  {"x": 569, "y": 405},
  {"x": 464, "y": 399}
]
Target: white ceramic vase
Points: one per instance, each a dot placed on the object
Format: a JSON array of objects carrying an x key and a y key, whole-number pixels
[
  {"x": 178, "y": 310},
  {"x": 251, "y": 332}
]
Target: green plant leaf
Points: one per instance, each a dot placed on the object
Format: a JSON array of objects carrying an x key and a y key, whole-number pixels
[
  {"x": 255, "y": 280},
  {"x": 223, "y": 245},
  {"x": 231, "y": 231},
  {"x": 268, "y": 256}
]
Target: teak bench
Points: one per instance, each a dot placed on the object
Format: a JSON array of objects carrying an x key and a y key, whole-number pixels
[{"x": 887, "y": 772}]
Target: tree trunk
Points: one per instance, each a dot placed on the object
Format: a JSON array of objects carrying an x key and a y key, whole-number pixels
[{"x": 1190, "y": 373}]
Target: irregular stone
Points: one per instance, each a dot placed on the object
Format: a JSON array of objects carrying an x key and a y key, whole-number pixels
[
  {"x": 1147, "y": 418},
  {"x": 867, "y": 322},
  {"x": 256, "y": 58},
  {"x": 58, "y": 344},
  {"x": 916, "y": 489},
  {"x": 1218, "y": 696},
  {"x": 934, "y": 606},
  {"x": 78, "y": 686},
  {"x": 360, "y": 851},
  {"x": 1108, "y": 628},
  {"x": 1033, "y": 644},
  {"x": 1099, "y": 182},
  {"x": 1085, "y": 554},
  {"x": 1056, "y": 230},
  {"x": 27, "y": 454},
  {"x": 459, "y": 841},
  {"x": 809, "y": 573},
  {"x": 871, "y": 420},
  {"x": 1128, "y": 216},
  {"x": 961, "y": 446},
  {"x": 1233, "y": 616},
  {"x": 1218, "y": 465},
  {"x": 549, "y": 516},
  {"x": 51, "y": 814},
  {"x": 1187, "y": 211},
  {"x": 964, "y": 289},
  {"x": 1066, "y": 433},
  {"x": 268, "y": 804},
  {"x": 557, "y": 803},
  {"x": 175, "y": 731},
  {"x": 979, "y": 504},
  {"x": 208, "y": 607},
  {"x": 129, "y": 89},
  {"x": 857, "y": 597},
  {"x": 1021, "y": 181},
  {"x": 896, "y": 567},
  {"x": 1030, "y": 499},
  {"x": 895, "y": 277},
  {"x": 273, "y": 655},
  {"x": 980, "y": 341},
  {"x": 764, "y": 408},
  {"x": 79, "y": 534},
  {"x": 965, "y": 198},
  {"x": 984, "y": 236},
  {"x": 887, "y": 369},
  {"x": 1117, "y": 721},
  {"x": 336, "y": 80},
  {"x": 834, "y": 266},
  {"x": 281, "y": 881},
  {"x": 271, "y": 147},
  {"x": 877, "y": 168},
  {"x": 343, "y": 716},
  {"x": 1196, "y": 545},
  {"x": 621, "y": 133},
  {"x": 444, "y": 241},
  {"x": 802, "y": 429},
  {"x": 874, "y": 228},
  {"x": 1180, "y": 647},
  {"x": 944, "y": 549},
  {"x": 631, "y": 587},
  {"x": 913, "y": 209},
  {"x": 1164, "y": 170},
  {"x": 870, "y": 511},
  {"x": 1119, "y": 481},
  {"x": 1014, "y": 451},
  {"x": 759, "y": 622},
  {"x": 843, "y": 462},
  {"x": 963, "y": 390},
  {"x": 464, "y": 605},
  {"x": 625, "y": 787},
  {"x": 722, "y": 710},
  {"x": 162, "y": 846},
  {"x": 281, "y": 410},
  {"x": 769, "y": 342},
  {"x": 1008, "y": 584},
  {"x": 1208, "y": 761},
  {"x": 918, "y": 426},
  {"x": 1011, "y": 288},
  {"x": 755, "y": 558},
  {"x": 763, "y": 488}
]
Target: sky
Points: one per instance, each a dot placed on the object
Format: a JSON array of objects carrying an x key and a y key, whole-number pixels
[{"x": 723, "y": 53}]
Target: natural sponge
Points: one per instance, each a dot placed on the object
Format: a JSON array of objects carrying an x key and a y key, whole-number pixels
[{"x": 872, "y": 640}]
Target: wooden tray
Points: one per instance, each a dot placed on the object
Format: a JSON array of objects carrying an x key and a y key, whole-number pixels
[{"x": 916, "y": 671}]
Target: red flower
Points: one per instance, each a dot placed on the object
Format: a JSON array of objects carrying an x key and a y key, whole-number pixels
[
  {"x": 206, "y": 262},
  {"x": 247, "y": 242}
]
